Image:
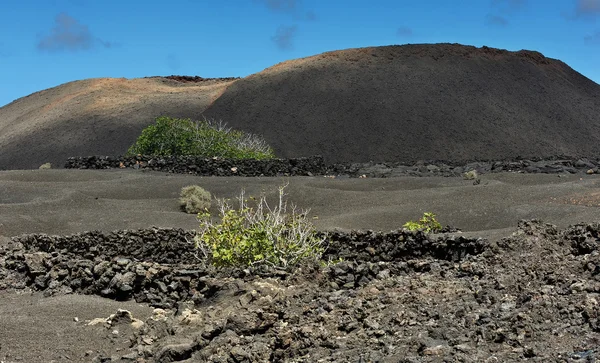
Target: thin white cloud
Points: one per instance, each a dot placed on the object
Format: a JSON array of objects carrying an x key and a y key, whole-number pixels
[
  {"x": 284, "y": 37},
  {"x": 501, "y": 10},
  {"x": 583, "y": 10},
  {"x": 508, "y": 4},
  {"x": 69, "y": 35},
  {"x": 173, "y": 62},
  {"x": 404, "y": 31},
  {"x": 280, "y": 5},
  {"x": 592, "y": 39},
  {"x": 496, "y": 20},
  {"x": 290, "y": 7},
  {"x": 311, "y": 15},
  {"x": 587, "y": 8}
]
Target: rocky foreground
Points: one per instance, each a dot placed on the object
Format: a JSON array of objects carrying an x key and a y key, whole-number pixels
[{"x": 394, "y": 297}]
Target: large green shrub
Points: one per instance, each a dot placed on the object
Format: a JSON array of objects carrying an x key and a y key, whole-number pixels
[
  {"x": 174, "y": 136},
  {"x": 194, "y": 199},
  {"x": 262, "y": 235}
]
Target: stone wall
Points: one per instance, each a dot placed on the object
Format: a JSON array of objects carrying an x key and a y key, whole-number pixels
[
  {"x": 161, "y": 245},
  {"x": 162, "y": 267},
  {"x": 432, "y": 296},
  {"x": 315, "y": 166},
  {"x": 204, "y": 166}
]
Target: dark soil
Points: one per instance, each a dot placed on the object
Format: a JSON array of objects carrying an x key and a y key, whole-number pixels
[
  {"x": 393, "y": 298},
  {"x": 70, "y": 201},
  {"x": 418, "y": 102}
]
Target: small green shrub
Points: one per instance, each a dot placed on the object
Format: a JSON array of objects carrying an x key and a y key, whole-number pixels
[
  {"x": 262, "y": 235},
  {"x": 471, "y": 175},
  {"x": 427, "y": 223},
  {"x": 174, "y": 136},
  {"x": 46, "y": 166},
  {"x": 194, "y": 199}
]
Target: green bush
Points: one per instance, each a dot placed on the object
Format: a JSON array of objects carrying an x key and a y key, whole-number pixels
[
  {"x": 427, "y": 223},
  {"x": 174, "y": 136},
  {"x": 194, "y": 199},
  {"x": 471, "y": 175},
  {"x": 262, "y": 235}
]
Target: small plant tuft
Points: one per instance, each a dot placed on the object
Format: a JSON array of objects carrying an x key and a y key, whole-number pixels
[
  {"x": 427, "y": 223},
  {"x": 194, "y": 199},
  {"x": 471, "y": 175},
  {"x": 206, "y": 138},
  {"x": 259, "y": 235}
]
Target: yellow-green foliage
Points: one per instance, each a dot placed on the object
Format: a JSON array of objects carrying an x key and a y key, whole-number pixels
[
  {"x": 332, "y": 262},
  {"x": 427, "y": 223},
  {"x": 470, "y": 175},
  {"x": 194, "y": 199},
  {"x": 46, "y": 166},
  {"x": 261, "y": 235}
]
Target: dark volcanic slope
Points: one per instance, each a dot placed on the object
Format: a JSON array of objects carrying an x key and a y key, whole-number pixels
[
  {"x": 100, "y": 116},
  {"x": 397, "y": 103},
  {"x": 414, "y": 102}
]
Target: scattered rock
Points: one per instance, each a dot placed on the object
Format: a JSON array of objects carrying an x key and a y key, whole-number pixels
[{"x": 400, "y": 295}]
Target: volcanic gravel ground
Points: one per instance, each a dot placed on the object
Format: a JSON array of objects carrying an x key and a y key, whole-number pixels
[{"x": 534, "y": 295}]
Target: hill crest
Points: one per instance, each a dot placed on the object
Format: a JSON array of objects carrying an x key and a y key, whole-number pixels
[{"x": 391, "y": 103}]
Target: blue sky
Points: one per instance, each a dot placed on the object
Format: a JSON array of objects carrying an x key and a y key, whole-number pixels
[{"x": 44, "y": 43}]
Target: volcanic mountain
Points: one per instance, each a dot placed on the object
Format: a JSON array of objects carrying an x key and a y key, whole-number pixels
[
  {"x": 101, "y": 116},
  {"x": 393, "y": 103},
  {"x": 418, "y": 102}
]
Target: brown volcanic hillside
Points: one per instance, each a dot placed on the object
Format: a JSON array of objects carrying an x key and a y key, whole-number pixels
[
  {"x": 415, "y": 102},
  {"x": 395, "y": 103},
  {"x": 95, "y": 117}
]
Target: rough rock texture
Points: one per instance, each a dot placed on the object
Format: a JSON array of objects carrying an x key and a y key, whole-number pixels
[
  {"x": 418, "y": 102},
  {"x": 315, "y": 166},
  {"x": 161, "y": 245},
  {"x": 197, "y": 79},
  {"x": 204, "y": 166},
  {"x": 534, "y": 295}
]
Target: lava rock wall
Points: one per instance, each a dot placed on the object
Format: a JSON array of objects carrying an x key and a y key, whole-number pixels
[
  {"x": 315, "y": 165},
  {"x": 204, "y": 166},
  {"x": 162, "y": 267}
]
